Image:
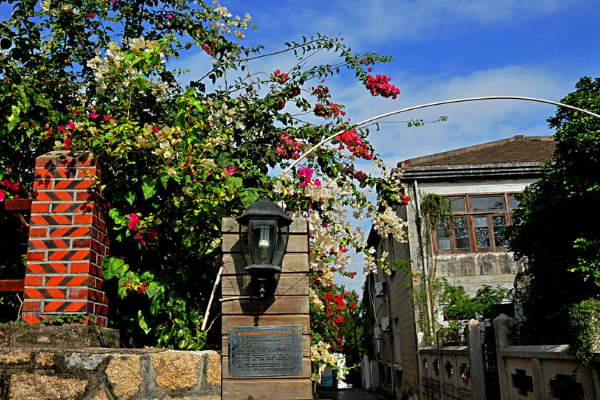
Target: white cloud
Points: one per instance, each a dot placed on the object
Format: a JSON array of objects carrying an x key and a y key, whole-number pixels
[
  {"x": 388, "y": 20},
  {"x": 468, "y": 123}
]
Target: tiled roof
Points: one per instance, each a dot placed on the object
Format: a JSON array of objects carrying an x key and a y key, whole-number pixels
[{"x": 518, "y": 149}]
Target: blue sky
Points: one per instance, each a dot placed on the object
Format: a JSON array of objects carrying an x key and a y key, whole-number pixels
[{"x": 447, "y": 49}]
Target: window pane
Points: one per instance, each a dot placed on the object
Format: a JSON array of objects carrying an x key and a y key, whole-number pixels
[
  {"x": 482, "y": 232},
  {"x": 487, "y": 203},
  {"x": 461, "y": 233},
  {"x": 457, "y": 204},
  {"x": 499, "y": 223},
  {"x": 443, "y": 243},
  {"x": 442, "y": 235},
  {"x": 514, "y": 203}
]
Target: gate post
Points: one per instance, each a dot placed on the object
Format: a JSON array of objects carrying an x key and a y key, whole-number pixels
[
  {"x": 503, "y": 339},
  {"x": 476, "y": 359},
  {"x": 241, "y": 309},
  {"x": 67, "y": 239}
]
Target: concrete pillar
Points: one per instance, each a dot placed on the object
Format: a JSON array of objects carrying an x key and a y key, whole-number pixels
[
  {"x": 503, "y": 339},
  {"x": 67, "y": 240},
  {"x": 476, "y": 359}
]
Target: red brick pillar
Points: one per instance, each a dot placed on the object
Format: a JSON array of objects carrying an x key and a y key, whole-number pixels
[{"x": 67, "y": 239}]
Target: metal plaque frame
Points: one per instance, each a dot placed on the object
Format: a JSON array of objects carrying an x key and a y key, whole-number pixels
[{"x": 256, "y": 351}]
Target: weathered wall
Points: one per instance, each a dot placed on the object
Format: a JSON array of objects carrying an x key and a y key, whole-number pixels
[
  {"x": 397, "y": 357},
  {"x": 470, "y": 270},
  {"x": 108, "y": 374},
  {"x": 543, "y": 371},
  {"x": 454, "y": 372}
]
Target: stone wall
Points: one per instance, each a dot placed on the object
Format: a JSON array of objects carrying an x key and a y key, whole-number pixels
[{"x": 108, "y": 374}]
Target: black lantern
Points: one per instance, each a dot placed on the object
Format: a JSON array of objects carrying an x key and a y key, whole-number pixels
[{"x": 265, "y": 241}]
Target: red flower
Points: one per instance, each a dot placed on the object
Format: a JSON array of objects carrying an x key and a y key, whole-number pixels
[
  {"x": 405, "y": 200},
  {"x": 68, "y": 143},
  {"x": 353, "y": 305},
  {"x": 134, "y": 220},
  {"x": 339, "y": 319}
]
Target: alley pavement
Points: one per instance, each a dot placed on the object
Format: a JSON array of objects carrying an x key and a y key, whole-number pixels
[{"x": 349, "y": 394}]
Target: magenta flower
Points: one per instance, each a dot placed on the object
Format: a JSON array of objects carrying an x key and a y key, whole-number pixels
[
  {"x": 12, "y": 186},
  {"x": 92, "y": 15},
  {"x": 93, "y": 115},
  {"x": 229, "y": 171},
  {"x": 134, "y": 220},
  {"x": 317, "y": 182},
  {"x": 306, "y": 173},
  {"x": 169, "y": 16},
  {"x": 72, "y": 126},
  {"x": 2, "y": 195}
]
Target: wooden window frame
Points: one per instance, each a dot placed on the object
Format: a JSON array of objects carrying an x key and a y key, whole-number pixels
[{"x": 470, "y": 215}]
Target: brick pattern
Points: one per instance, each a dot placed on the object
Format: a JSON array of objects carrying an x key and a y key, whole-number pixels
[{"x": 67, "y": 240}]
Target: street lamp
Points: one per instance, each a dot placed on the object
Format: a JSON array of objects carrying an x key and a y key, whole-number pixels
[{"x": 264, "y": 242}]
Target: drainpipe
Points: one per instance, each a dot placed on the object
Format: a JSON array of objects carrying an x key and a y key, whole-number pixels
[
  {"x": 392, "y": 327},
  {"x": 423, "y": 254}
]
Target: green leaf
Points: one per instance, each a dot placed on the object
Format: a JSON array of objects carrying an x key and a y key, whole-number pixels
[
  {"x": 142, "y": 322},
  {"x": 153, "y": 289},
  {"x": 130, "y": 197},
  {"x": 248, "y": 196},
  {"x": 113, "y": 267},
  {"x": 235, "y": 182},
  {"x": 148, "y": 187}
]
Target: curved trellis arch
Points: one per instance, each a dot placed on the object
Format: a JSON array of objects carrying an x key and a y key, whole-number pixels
[{"x": 437, "y": 103}]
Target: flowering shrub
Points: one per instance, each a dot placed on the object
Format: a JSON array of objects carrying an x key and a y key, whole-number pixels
[
  {"x": 94, "y": 76},
  {"x": 334, "y": 312}
]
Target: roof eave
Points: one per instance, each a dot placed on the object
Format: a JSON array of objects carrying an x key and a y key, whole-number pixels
[{"x": 447, "y": 172}]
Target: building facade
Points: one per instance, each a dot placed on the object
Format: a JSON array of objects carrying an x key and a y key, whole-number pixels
[{"x": 479, "y": 184}]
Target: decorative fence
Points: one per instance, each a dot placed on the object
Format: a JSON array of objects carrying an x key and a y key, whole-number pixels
[{"x": 519, "y": 372}]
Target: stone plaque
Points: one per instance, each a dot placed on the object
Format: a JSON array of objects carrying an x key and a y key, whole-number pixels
[{"x": 265, "y": 351}]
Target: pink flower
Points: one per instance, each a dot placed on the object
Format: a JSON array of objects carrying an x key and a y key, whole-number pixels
[
  {"x": 72, "y": 126},
  {"x": 317, "y": 182},
  {"x": 2, "y": 195},
  {"x": 380, "y": 86},
  {"x": 207, "y": 49},
  {"x": 93, "y": 115},
  {"x": 282, "y": 76},
  {"x": 229, "y": 171},
  {"x": 134, "y": 220},
  {"x": 169, "y": 16},
  {"x": 140, "y": 238},
  {"x": 305, "y": 173},
  {"x": 107, "y": 118},
  {"x": 12, "y": 186},
  {"x": 342, "y": 39},
  {"x": 302, "y": 185}
]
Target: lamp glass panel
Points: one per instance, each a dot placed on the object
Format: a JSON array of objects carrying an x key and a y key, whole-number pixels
[
  {"x": 282, "y": 241},
  {"x": 263, "y": 240}
]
